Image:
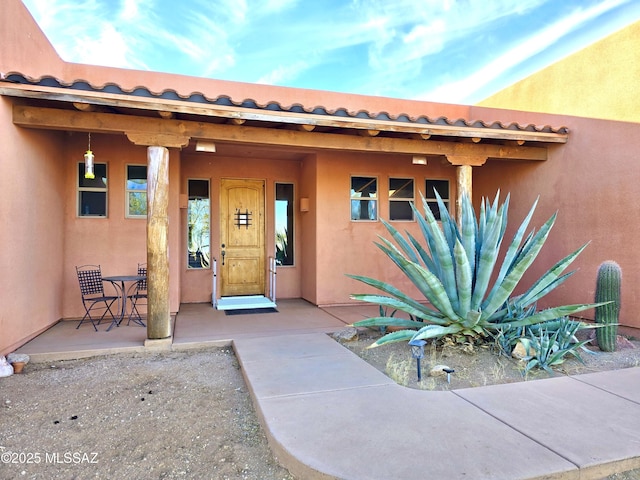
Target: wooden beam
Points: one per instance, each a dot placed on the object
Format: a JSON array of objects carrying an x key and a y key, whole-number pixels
[
  {"x": 69, "y": 120},
  {"x": 158, "y": 139},
  {"x": 233, "y": 112},
  {"x": 467, "y": 160}
]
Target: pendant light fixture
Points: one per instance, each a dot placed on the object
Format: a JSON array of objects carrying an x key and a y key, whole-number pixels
[{"x": 88, "y": 161}]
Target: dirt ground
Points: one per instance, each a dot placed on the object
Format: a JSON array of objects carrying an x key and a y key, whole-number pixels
[
  {"x": 189, "y": 414},
  {"x": 151, "y": 416}
]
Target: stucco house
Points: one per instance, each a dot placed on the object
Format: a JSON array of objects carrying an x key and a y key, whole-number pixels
[{"x": 218, "y": 186}]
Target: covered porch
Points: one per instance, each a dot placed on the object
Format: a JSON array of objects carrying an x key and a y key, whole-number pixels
[{"x": 196, "y": 325}]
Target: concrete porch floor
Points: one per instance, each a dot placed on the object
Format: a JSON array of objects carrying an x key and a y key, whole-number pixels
[{"x": 196, "y": 325}]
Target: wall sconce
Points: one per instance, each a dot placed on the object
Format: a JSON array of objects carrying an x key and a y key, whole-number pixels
[
  {"x": 205, "y": 146},
  {"x": 88, "y": 161},
  {"x": 419, "y": 160},
  {"x": 304, "y": 204}
]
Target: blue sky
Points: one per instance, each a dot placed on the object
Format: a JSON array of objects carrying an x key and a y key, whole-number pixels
[{"x": 437, "y": 50}]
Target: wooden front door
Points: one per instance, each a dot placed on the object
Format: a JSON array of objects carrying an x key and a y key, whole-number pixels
[{"x": 242, "y": 245}]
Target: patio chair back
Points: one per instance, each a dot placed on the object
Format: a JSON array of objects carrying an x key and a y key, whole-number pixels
[
  {"x": 93, "y": 296},
  {"x": 90, "y": 279},
  {"x": 138, "y": 297},
  {"x": 142, "y": 271}
]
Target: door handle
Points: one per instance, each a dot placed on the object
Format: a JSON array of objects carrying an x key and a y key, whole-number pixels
[{"x": 223, "y": 253}]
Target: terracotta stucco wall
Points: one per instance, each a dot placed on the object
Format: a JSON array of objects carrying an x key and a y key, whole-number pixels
[
  {"x": 116, "y": 243},
  {"x": 600, "y": 81},
  {"x": 309, "y": 231},
  {"x": 24, "y": 47},
  {"x": 345, "y": 246},
  {"x": 32, "y": 212},
  {"x": 592, "y": 182}
]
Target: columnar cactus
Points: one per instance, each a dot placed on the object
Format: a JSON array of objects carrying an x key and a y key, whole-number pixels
[{"x": 608, "y": 289}]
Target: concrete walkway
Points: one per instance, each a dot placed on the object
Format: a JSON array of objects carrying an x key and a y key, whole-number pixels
[{"x": 329, "y": 414}]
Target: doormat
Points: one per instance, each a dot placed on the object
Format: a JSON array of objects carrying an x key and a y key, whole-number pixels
[{"x": 248, "y": 311}]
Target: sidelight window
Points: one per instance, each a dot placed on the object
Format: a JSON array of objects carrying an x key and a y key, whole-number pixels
[
  {"x": 284, "y": 223},
  {"x": 199, "y": 224}
]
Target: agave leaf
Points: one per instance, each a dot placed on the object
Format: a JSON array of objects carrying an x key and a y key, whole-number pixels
[
  {"x": 468, "y": 232},
  {"x": 399, "y": 336},
  {"x": 472, "y": 319},
  {"x": 449, "y": 226},
  {"x": 487, "y": 259},
  {"x": 463, "y": 279},
  {"x": 436, "y": 331},
  {"x": 400, "y": 300},
  {"x": 425, "y": 228},
  {"x": 388, "y": 322},
  {"x": 401, "y": 242},
  {"x": 442, "y": 255},
  {"x": 535, "y": 292},
  {"x": 433, "y": 289},
  {"x": 550, "y": 314},
  {"x": 505, "y": 289},
  {"x": 424, "y": 255},
  {"x": 514, "y": 248}
]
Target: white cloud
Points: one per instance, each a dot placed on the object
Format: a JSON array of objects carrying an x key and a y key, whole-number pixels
[{"x": 462, "y": 90}]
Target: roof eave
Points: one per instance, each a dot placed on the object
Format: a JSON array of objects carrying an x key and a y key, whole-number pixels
[{"x": 243, "y": 113}]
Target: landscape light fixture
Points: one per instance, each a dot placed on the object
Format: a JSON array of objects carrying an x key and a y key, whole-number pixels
[
  {"x": 417, "y": 352},
  {"x": 88, "y": 161}
]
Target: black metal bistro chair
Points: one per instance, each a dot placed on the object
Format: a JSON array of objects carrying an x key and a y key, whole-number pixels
[
  {"x": 138, "y": 296},
  {"x": 93, "y": 296}
]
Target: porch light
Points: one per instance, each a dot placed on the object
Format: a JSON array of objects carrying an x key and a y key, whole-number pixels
[
  {"x": 419, "y": 160},
  {"x": 88, "y": 161},
  {"x": 417, "y": 352}
]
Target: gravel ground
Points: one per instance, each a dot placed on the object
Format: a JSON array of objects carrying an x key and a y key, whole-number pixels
[{"x": 152, "y": 416}]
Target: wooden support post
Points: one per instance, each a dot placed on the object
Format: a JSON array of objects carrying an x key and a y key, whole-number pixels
[
  {"x": 464, "y": 164},
  {"x": 463, "y": 177},
  {"x": 158, "y": 314}
]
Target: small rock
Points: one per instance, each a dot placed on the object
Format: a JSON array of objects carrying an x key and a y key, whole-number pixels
[
  {"x": 622, "y": 343},
  {"x": 520, "y": 351},
  {"x": 348, "y": 334},
  {"x": 438, "y": 371}
]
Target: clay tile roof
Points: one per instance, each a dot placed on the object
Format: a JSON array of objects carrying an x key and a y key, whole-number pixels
[{"x": 274, "y": 106}]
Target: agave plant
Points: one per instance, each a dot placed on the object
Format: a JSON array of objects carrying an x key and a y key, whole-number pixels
[
  {"x": 550, "y": 344},
  {"x": 453, "y": 268}
]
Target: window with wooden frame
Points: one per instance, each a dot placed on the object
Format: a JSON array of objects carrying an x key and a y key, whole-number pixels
[
  {"x": 401, "y": 195},
  {"x": 136, "y": 191},
  {"x": 364, "y": 198},
  {"x": 92, "y": 192},
  {"x": 442, "y": 187}
]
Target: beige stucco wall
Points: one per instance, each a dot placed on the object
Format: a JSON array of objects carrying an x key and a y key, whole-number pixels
[{"x": 600, "y": 81}]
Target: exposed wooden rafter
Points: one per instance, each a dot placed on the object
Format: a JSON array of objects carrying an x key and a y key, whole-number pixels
[{"x": 69, "y": 120}]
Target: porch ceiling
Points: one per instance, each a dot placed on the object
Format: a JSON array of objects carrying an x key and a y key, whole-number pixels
[{"x": 50, "y": 104}]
